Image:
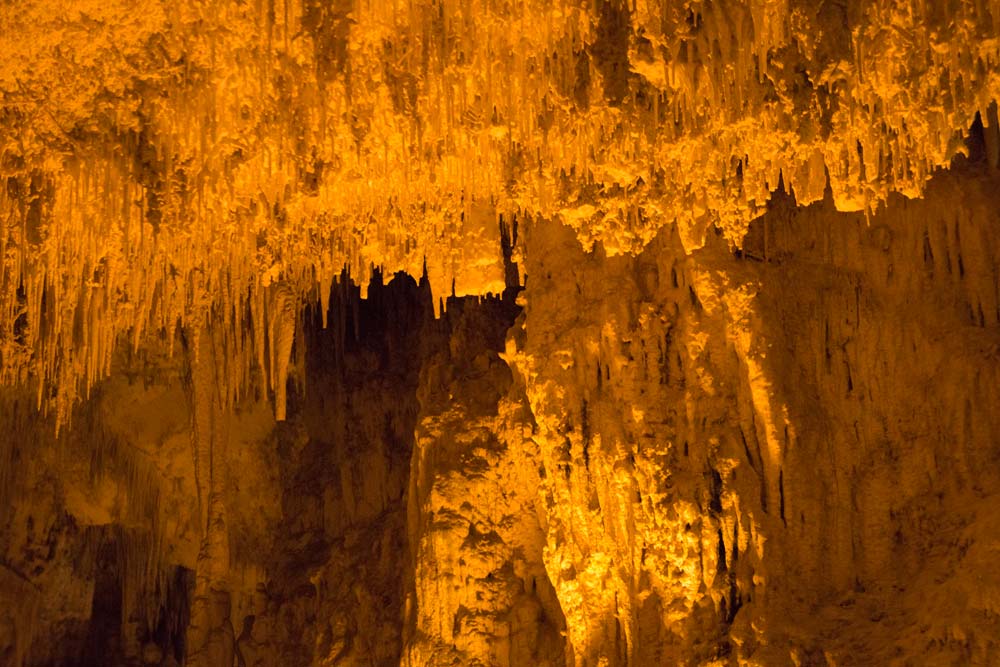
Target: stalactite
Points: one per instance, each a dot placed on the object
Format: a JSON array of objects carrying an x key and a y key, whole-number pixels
[
  {"x": 282, "y": 316},
  {"x": 248, "y": 143},
  {"x": 209, "y": 172}
]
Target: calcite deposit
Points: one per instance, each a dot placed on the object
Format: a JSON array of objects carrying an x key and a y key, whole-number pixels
[{"x": 447, "y": 333}]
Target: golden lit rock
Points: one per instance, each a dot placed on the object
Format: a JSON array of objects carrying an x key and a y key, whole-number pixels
[{"x": 508, "y": 334}]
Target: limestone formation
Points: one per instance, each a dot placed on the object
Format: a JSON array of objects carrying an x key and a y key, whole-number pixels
[{"x": 481, "y": 333}]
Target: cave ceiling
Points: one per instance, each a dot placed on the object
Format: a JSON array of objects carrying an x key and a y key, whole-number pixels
[{"x": 167, "y": 163}]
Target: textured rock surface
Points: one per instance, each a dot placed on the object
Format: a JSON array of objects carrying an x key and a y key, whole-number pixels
[
  {"x": 693, "y": 356},
  {"x": 164, "y": 161},
  {"x": 785, "y": 454}
]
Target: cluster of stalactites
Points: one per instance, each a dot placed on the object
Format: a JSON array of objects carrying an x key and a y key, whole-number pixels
[
  {"x": 166, "y": 164},
  {"x": 69, "y": 297}
]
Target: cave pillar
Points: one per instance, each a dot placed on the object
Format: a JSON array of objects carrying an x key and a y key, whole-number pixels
[{"x": 210, "y": 639}]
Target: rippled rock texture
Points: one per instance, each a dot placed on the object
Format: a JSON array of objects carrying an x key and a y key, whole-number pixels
[{"x": 492, "y": 334}]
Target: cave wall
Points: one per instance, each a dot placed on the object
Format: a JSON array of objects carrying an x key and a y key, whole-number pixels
[
  {"x": 471, "y": 332},
  {"x": 770, "y": 455},
  {"x": 782, "y": 453}
]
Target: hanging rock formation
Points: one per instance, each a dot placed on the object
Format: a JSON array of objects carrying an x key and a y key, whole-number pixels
[
  {"x": 499, "y": 334},
  {"x": 164, "y": 158}
]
